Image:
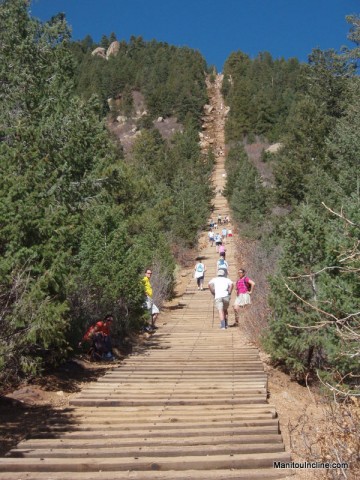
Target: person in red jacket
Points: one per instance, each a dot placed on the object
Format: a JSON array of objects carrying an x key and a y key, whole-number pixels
[{"x": 99, "y": 336}]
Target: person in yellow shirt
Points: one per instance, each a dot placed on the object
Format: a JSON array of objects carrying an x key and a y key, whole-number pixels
[{"x": 150, "y": 305}]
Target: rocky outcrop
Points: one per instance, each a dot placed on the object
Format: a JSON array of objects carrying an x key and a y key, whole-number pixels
[
  {"x": 113, "y": 49},
  {"x": 99, "y": 52}
]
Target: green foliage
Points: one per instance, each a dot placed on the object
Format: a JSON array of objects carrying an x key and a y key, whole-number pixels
[
  {"x": 260, "y": 93},
  {"x": 246, "y": 195},
  {"x": 315, "y": 293},
  {"x": 78, "y": 224},
  {"x": 171, "y": 78},
  {"x": 314, "y": 111}
]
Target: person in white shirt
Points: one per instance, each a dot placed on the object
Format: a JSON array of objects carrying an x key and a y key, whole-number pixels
[
  {"x": 199, "y": 274},
  {"x": 211, "y": 236},
  {"x": 221, "y": 288}
]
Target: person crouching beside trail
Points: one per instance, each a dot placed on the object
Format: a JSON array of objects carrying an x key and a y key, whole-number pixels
[
  {"x": 244, "y": 289},
  {"x": 99, "y": 336},
  {"x": 221, "y": 288},
  {"x": 149, "y": 303}
]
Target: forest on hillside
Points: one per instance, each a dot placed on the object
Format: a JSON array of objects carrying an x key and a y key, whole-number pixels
[
  {"x": 79, "y": 223},
  {"x": 308, "y": 220}
]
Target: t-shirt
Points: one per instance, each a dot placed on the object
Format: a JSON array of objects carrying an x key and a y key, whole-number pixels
[
  {"x": 241, "y": 285},
  {"x": 199, "y": 270},
  {"x": 147, "y": 286},
  {"x": 221, "y": 286},
  {"x": 222, "y": 249}
]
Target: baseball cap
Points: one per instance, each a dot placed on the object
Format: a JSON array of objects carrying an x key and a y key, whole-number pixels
[{"x": 221, "y": 273}]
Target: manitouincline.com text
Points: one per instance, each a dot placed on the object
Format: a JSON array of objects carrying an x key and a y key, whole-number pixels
[{"x": 327, "y": 465}]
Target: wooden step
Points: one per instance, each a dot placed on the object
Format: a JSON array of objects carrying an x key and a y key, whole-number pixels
[
  {"x": 191, "y": 462},
  {"x": 219, "y": 474}
]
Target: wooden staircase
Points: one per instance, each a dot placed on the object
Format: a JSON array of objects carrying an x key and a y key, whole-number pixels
[{"x": 192, "y": 405}]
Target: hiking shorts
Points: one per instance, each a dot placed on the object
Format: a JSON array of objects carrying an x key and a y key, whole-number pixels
[
  {"x": 222, "y": 303},
  {"x": 242, "y": 299},
  {"x": 154, "y": 309}
]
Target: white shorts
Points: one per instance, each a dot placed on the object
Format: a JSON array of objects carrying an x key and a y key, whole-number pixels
[
  {"x": 150, "y": 305},
  {"x": 242, "y": 299},
  {"x": 154, "y": 309}
]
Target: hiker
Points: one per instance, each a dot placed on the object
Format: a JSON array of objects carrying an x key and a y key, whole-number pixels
[
  {"x": 230, "y": 233},
  {"x": 244, "y": 289},
  {"x": 149, "y": 303},
  {"x": 218, "y": 241},
  {"x": 221, "y": 288},
  {"x": 199, "y": 274},
  {"x": 212, "y": 223},
  {"x": 219, "y": 219},
  {"x": 99, "y": 336},
  {"x": 224, "y": 233},
  {"x": 222, "y": 264},
  {"x": 211, "y": 236},
  {"x": 222, "y": 250}
]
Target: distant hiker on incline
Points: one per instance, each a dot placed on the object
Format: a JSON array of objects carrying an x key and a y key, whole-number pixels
[{"x": 200, "y": 274}]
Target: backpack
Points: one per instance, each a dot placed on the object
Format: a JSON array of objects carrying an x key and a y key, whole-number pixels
[
  {"x": 222, "y": 263},
  {"x": 200, "y": 267}
]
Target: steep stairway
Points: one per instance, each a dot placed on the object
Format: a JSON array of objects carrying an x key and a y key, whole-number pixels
[{"x": 192, "y": 405}]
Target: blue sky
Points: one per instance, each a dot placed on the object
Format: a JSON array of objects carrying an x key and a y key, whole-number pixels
[{"x": 285, "y": 28}]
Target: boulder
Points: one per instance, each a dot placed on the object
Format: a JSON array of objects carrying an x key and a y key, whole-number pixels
[
  {"x": 113, "y": 49},
  {"x": 99, "y": 51},
  {"x": 160, "y": 119},
  {"x": 121, "y": 119}
]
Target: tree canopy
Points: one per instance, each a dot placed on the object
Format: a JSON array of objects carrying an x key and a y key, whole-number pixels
[{"x": 79, "y": 224}]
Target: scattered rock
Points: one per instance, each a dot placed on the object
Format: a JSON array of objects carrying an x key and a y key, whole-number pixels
[
  {"x": 160, "y": 119},
  {"x": 121, "y": 119}
]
